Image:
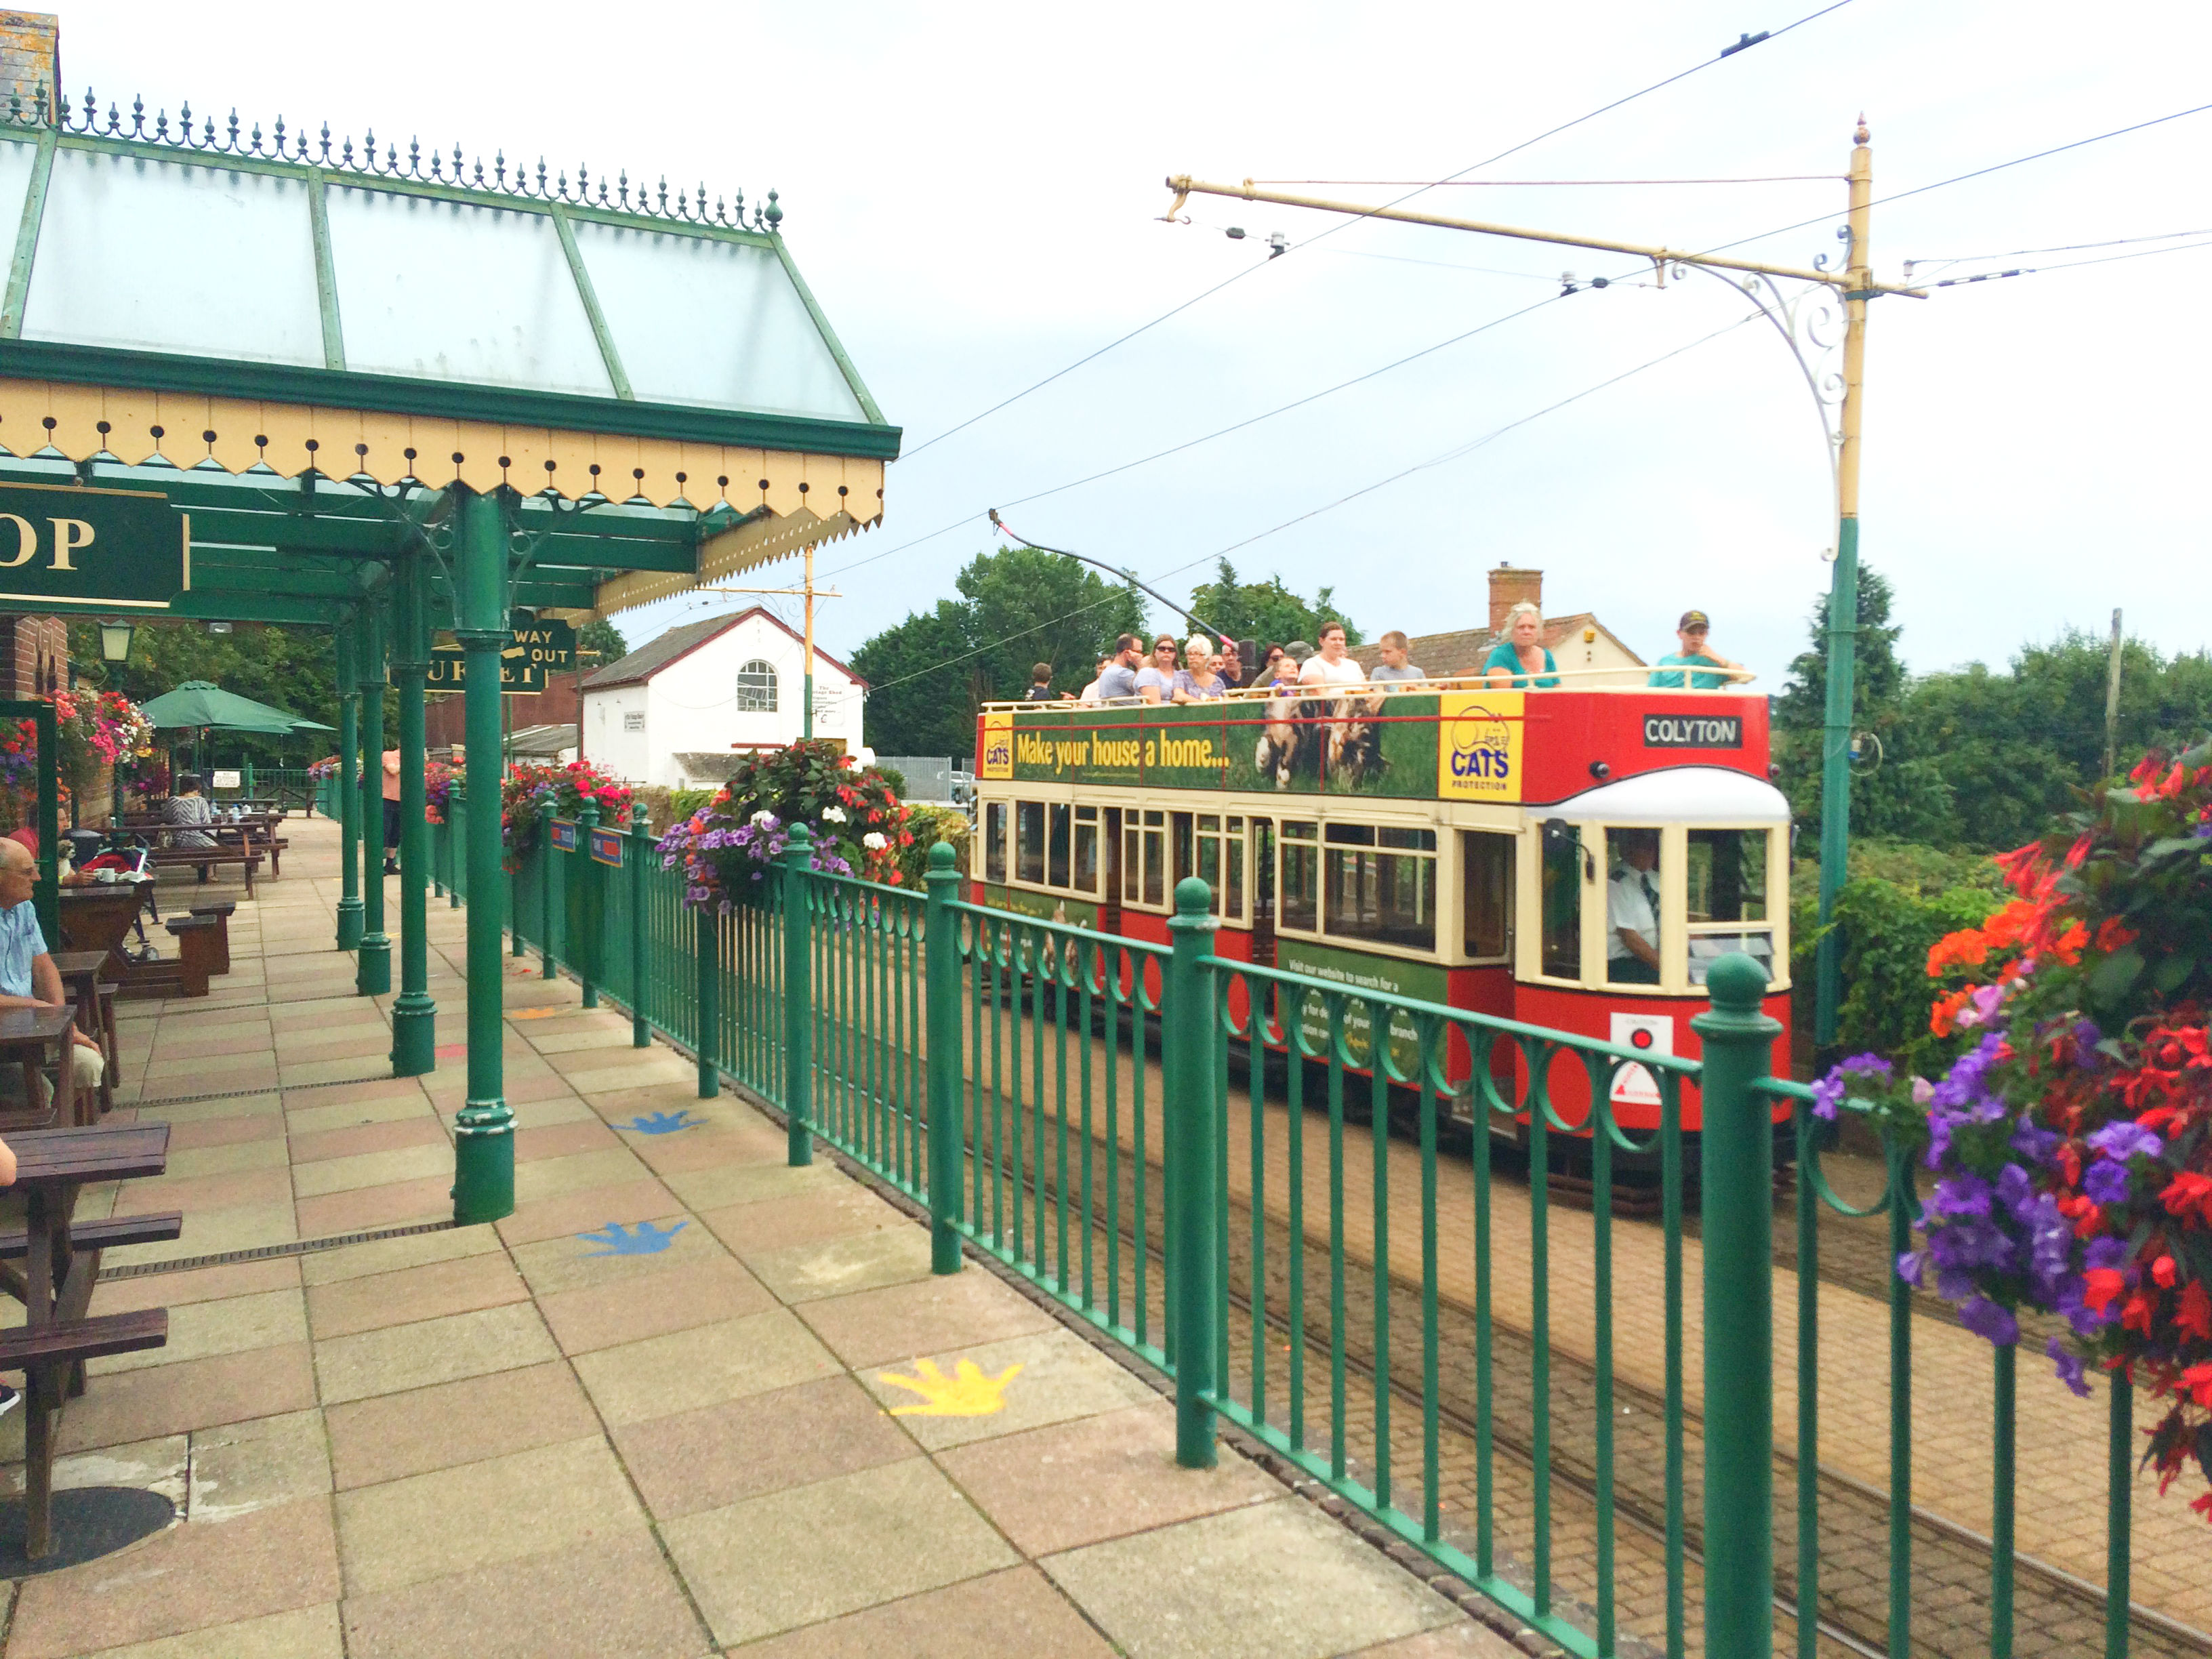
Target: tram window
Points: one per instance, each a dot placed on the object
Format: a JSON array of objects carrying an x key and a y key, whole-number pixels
[
  {"x": 1380, "y": 885},
  {"x": 1156, "y": 861},
  {"x": 1300, "y": 898},
  {"x": 1728, "y": 875},
  {"x": 1232, "y": 847},
  {"x": 1727, "y": 884},
  {"x": 995, "y": 843},
  {"x": 1486, "y": 894},
  {"x": 1562, "y": 896},
  {"x": 1028, "y": 840},
  {"x": 1632, "y": 907},
  {"x": 1057, "y": 849},
  {"x": 1086, "y": 849},
  {"x": 1133, "y": 862}
]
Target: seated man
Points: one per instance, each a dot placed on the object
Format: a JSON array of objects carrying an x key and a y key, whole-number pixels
[
  {"x": 1673, "y": 670},
  {"x": 1394, "y": 669},
  {"x": 1117, "y": 682},
  {"x": 29, "y": 978},
  {"x": 1632, "y": 910}
]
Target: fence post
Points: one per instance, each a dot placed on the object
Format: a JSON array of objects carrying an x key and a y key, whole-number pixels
[
  {"x": 1187, "y": 1032},
  {"x": 593, "y": 914},
  {"x": 640, "y": 843},
  {"x": 940, "y": 963},
  {"x": 1736, "y": 1173},
  {"x": 545, "y": 886},
  {"x": 708, "y": 956},
  {"x": 798, "y": 1002}
]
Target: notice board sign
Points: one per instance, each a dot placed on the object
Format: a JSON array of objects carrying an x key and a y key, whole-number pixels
[
  {"x": 607, "y": 847},
  {"x": 566, "y": 832},
  {"x": 225, "y": 780},
  {"x": 123, "y": 548}
]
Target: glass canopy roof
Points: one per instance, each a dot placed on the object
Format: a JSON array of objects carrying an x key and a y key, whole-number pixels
[{"x": 137, "y": 237}]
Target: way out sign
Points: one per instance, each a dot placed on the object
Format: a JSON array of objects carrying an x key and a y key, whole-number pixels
[
  {"x": 107, "y": 547},
  {"x": 517, "y": 673}
]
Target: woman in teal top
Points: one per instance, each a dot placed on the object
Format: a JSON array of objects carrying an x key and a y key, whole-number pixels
[{"x": 1518, "y": 656}]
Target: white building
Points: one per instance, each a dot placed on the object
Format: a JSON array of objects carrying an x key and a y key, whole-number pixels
[{"x": 676, "y": 711}]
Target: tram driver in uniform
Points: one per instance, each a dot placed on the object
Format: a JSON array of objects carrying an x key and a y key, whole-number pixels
[{"x": 1632, "y": 910}]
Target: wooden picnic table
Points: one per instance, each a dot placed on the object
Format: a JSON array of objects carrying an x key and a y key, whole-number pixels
[
  {"x": 100, "y": 916},
  {"x": 32, "y": 1038},
  {"x": 60, "y": 1267}
]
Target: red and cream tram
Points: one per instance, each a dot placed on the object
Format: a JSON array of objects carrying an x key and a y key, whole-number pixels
[{"x": 1573, "y": 859}]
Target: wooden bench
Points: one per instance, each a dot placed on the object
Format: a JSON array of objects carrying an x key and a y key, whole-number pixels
[
  {"x": 221, "y": 911},
  {"x": 38, "y": 1351},
  {"x": 203, "y": 858},
  {"x": 198, "y": 944},
  {"x": 110, "y": 1234}
]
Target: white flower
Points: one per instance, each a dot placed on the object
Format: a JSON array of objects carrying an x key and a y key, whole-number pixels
[
  {"x": 833, "y": 815},
  {"x": 874, "y": 841},
  {"x": 763, "y": 816}
]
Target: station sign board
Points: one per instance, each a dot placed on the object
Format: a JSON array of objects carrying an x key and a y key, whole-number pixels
[
  {"x": 566, "y": 832},
  {"x": 607, "y": 847},
  {"x": 85, "y": 545},
  {"x": 518, "y": 676},
  {"x": 549, "y": 644}
]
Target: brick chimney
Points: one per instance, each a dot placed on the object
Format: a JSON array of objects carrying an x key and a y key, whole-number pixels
[
  {"x": 1509, "y": 587},
  {"x": 30, "y": 50}
]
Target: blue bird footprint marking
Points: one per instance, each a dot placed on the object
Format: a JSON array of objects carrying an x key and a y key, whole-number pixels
[
  {"x": 646, "y": 1240},
  {"x": 663, "y": 1123}
]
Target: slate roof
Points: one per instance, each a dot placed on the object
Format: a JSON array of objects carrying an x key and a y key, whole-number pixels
[
  {"x": 649, "y": 658},
  {"x": 1449, "y": 656}
]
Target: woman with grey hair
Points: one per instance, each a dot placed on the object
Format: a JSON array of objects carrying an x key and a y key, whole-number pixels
[
  {"x": 1196, "y": 682},
  {"x": 1520, "y": 656}
]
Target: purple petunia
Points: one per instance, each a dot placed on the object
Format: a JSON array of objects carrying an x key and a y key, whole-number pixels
[
  {"x": 2107, "y": 1182},
  {"x": 1828, "y": 1093},
  {"x": 2067, "y": 1365},
  {"x": 2124, "y": 1141},
  {"x": 1989, "y": 1321},
  {"x": 1960, "y": 1195}
]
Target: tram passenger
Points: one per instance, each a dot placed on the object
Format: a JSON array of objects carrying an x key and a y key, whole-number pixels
[
  {"x": 1230, "y": 664},
  {"x": 1693, "y": 632},
  {"x": 1197, "y": 682},
  {"x": 1394, "y": 669},
  {"x": 1270, "y": 661},
  {"x": 1041, "y": 685},
  {"x": 1329, "y": 665},
  {"x": 1117, "y": 682},
  {"x": 1090, "y": 691},
  {"x": 1156, "y": 679},
  {"x": 1520, "y": 653},
  {"x": 1632, "y": 910}
]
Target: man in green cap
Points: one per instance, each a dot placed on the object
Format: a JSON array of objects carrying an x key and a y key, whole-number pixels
[{"x": 1674, "y": 673}]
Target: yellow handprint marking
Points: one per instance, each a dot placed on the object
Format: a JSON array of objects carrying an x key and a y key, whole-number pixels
[{"x": 966, "y": 1393}]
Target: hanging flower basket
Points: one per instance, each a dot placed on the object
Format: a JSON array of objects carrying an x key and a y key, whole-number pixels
[
  {"x": 2072, "y": 1141},
  {"x": 726, "y": 849},
  {"x": 527, "y": 787}
]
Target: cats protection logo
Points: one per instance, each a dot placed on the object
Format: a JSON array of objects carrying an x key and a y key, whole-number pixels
[
  {"x": 998, "y": 751},
  {"x": 1478, "y": 741}
]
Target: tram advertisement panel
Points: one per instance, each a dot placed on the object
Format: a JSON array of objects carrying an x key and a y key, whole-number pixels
[
  {"x": 1356, "y": 971},
  {"x": 1045, "y": 907},
  {"x": 1311, "y": 745}
]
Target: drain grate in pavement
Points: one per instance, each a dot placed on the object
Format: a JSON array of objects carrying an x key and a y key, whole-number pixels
[
  {"x": 271, "y": 1252},
  {"x": 247, "y": 1094}
]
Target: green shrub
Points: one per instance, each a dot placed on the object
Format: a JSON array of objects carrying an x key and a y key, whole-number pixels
[{"x": 929, "y": 825}]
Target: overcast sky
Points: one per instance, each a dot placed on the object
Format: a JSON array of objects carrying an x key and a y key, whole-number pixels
[{"x": 973, "y": 192}]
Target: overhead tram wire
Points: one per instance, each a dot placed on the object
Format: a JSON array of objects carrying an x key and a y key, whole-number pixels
[
  {"x": 2069, "y": 264},
  {"x": 1220, "y": 432},
  {"x": 2063, "y": 247},
  {"x": 1551, "y": 133},
  {"x": 1457, "y": 452}
]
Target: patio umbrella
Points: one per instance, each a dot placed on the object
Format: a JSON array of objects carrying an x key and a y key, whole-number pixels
[{"x": 197, "y": 703}]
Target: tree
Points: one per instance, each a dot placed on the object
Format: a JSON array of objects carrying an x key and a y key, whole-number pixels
[
  {"x": 292, "y": 669},
  {"x": 1268, "y": 612},
  {"x": 1019, "y": 606},
  {"x": 1899, "y": 786},
  {"x": 604, "y": 638}
]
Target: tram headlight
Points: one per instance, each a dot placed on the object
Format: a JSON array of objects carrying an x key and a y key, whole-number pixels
[{"x": 1600, "y": 770}]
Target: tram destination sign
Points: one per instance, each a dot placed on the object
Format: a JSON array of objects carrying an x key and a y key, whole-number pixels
[
  {"x": 1693, "y": 731},
  {"x": 78, "y": 544}
]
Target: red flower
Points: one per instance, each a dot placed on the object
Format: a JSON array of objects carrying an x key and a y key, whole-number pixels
[
  {"x": 2101, "y": 1286},
  {"x": 2162, "y": 1271},
  {"x": 2112, "y": 933},
  {"x": 2192, "y": 1316}
]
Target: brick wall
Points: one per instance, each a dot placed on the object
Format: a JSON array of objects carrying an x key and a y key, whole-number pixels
[
  {"x": 33, "y": 655},
  {"x": 30, "y": 50},
  {"x": 1509, "y": 587}
]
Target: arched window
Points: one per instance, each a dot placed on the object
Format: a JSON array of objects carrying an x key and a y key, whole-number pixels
[{"x": 757, "y": 688}]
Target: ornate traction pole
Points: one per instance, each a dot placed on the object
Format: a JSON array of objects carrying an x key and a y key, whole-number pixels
[
  {"x": 348, "y": 785},
  {"x": 373, "y": 964},
  {"x": 483, "y": 1131}
]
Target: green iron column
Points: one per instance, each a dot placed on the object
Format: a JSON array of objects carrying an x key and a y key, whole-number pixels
[
  {"x": 349, "y": 789},
  {"x": 372, "y": 965},
  {"x": 941, "y": 985},
  {"x": 484, "y": 1133},
  {"x": 1736, "y": 1181},
  {"x": 415, "y": 1015},
  {"x": 1187, "y": 1032}
]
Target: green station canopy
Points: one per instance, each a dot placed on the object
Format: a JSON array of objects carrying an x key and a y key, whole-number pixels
[
  {"x": 304, "y": 341},
  {"x": 197, "y": 703}
]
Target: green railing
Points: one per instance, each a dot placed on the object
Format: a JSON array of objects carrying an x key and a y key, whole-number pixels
[
  {"x": 288, "y": 786},
  {"x": 1286, "y": 1195}
]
